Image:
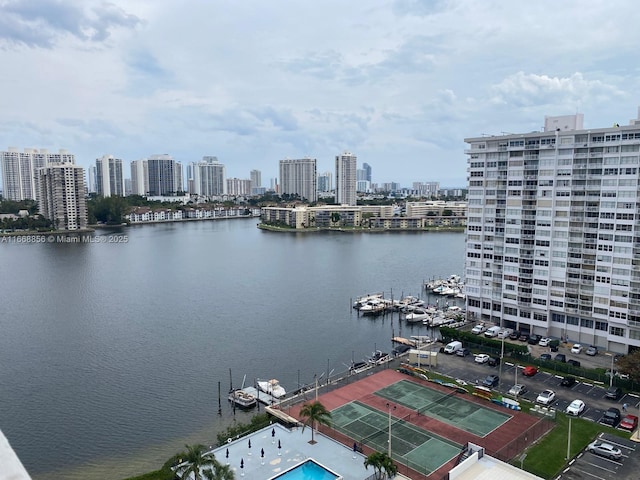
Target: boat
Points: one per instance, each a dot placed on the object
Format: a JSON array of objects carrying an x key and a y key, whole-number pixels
[
  {"x": 242, "y": 399},
  {"x": 358, "y": 367},
  {"x": 373, "y": 307},
  {"x": 360, "y": 301},
  {"x": 272, "y": 387},
  {"x": 379, "y": 357},
  {"x": 417, "y": 315}
]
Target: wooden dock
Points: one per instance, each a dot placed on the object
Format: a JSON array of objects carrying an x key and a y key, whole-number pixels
[{"x": 261, "y": 396}]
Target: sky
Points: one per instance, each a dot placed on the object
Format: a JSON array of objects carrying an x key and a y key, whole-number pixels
[{"x": 399, "y": 83}]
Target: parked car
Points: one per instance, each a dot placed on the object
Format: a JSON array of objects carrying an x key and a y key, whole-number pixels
[
  {"x": 545, "y": 356},
  {"x": 560, "y": 357},
  {"x": 478, "y": 329},
  {"x": 514, "y": 335},
  {"x": 482, "y": 358},
  {"x": 546, "y": 397},
  {"x": 605, "y": 450},
  {"x": 553, "y": 345},
  {"x": 524, "y": 337},
  {"x": 592, "y": 350},
  {"x": 463, "y": 352},
  {"x": 491, "y": 381},
  {"x": 577, "y": 348},
  {"x": 517, "y": 389},
  {"x": 611, "y": 417},
  {"x": 493, "y": 361},
  {"x": 504, "y": 333},
  {"x": 616, "y": 373},
  {"x": 573, "y": 362},
  {"x": 529, "y": 371},
  {"x": 568, "y": 382},
  {"x": 575, "y": 408},
  {"x": 613, "y": 393},
  {"x": 630, "y": 422},
  {"x": 534, "y": 339},
  {"x": 544, "y": 341}
]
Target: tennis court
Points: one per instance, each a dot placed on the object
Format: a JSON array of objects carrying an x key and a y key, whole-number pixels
[
  {"x": 446, "y": 407},
  {"x": 419, "y": 449}
]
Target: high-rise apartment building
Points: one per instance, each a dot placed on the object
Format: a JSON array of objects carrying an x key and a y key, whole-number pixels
[
  {"x": 20, "y": 169},
  {"x": 553, "y": 228},
  {"x": 367, "y": 168},
  {"x": 139, "y": 177},
  {"x": 109, "y": 176},
  {"x": 256, "y": 181},
  {"x": 208, "y": 177},
  {"x": 299, "y": 177},
  {"x": 62, "y": 195},
  {"x": 346, "y": 179},
  {"x": 325, "y": 182},
  {"x": 238, "y": 186},
  {"x": 162, "y": 175},
  {"x": 92, "y": 174}
]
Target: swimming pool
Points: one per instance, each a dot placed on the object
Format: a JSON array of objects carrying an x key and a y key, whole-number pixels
[{"x": 307, "y": 470}]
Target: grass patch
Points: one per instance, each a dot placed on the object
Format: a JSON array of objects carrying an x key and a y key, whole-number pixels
[{"x": 548, "y": 457}]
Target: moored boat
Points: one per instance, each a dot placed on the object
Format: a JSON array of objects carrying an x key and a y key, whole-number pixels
[
  {"x": 242, "y": 399},
  {"x": 272, "y": 387}
]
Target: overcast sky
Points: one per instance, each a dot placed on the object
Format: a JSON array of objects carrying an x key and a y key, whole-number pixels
[{"x": 398, "y": 83}]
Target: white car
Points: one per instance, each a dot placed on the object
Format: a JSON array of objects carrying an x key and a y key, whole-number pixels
[
  {"x": 504, "y": 333},
  {"x": 482, "y": 358},
  {"x": 478, "y": 329},
  {"x": 546, "y": 397},
  {"x": 575, "y": 408},
  {"x": 544, "y": 341},
  {"x": 577, "y": 348}
]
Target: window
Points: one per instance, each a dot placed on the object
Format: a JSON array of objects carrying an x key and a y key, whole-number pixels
[{"x": 617, "y": 331}]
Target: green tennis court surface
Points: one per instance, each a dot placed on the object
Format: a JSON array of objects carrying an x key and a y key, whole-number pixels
[
  {"x": 419, "y": 449},
  {"x": 447, "y": 407}
]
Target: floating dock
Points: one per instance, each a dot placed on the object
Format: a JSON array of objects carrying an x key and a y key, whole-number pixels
[{"x": 261, "y": 396}]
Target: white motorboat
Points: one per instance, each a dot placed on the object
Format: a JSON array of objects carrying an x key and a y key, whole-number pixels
[
  {"x": 417, "y": 315},
  {"x": 379, "y": 357},
  {"x": 272, "y": 387},
  {"x": 373, "y": 307}
]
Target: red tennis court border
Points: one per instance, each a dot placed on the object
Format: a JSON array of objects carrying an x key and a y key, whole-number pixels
[{"x": 504, "y": 443}]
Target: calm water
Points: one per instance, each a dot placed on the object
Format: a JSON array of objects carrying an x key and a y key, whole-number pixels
[{"x": 111, "y": 354}]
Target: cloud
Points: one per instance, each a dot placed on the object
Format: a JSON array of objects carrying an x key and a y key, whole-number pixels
[
  {"x": 41, "y": 23},
  {"x": 524, "y": 90}
]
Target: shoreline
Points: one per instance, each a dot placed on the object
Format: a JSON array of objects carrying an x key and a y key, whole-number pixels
[{"x": 272, "y": 228}]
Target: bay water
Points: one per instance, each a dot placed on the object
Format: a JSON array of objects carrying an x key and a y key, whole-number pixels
[{"x": 111, "y": 354}]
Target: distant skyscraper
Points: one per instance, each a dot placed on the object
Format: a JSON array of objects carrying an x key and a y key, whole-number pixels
[
  {"x": 346, "y": 179},
  {"x": 299, "y": 177},
  {"x": 109, "y": 176},
  {"x": 139, "y": 177},
  {"x": 209, "y": 177},
  {"x": 19, "y": 171},
  {"x": 256, "y": 180},
  {"x": 178, "y": 177},
  {"x": 162, "y": 175},
  {"x": 325, "y": 182},
  {"x": 91, "y": 179},
  {"x": 238, "y": 186},
  {"x": 62, "y": 196},
  {"x": 367, "y": 168}
]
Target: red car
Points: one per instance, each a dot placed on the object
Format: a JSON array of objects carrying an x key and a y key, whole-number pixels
[
  {"x": 529, "y": 371},
  {"x": 630, "y": 422}
]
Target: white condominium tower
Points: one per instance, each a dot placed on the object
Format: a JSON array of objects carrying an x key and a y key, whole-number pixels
[
  {"x": 19, "y": 171},
  {"x": 553, "y": 232},
  {"x": 346, "y": 179},
  {"x": 299, "y": 177},
  {"x": 109, "y": 176},
  {"x": 139, "y": 177},
  {"x": 62, "y": 196},
  {"x": 208, "y": 177}
]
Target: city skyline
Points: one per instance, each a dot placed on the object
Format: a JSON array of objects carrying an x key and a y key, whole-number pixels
[{"x": 399, "y": 82}]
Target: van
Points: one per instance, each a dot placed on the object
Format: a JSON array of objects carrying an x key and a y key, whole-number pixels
[
  {"x": 492, "y": 332},
  {"x": 452, "y": 347},
  {"x": 504, "y": 333}
]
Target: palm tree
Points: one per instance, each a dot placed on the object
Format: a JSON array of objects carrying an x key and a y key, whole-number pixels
[
  {"x": 193, "y": 460},
  {"x": 219, "y": 472},
  {"x": 313, "y": 413},
  {"x": 381, "y": 462}
]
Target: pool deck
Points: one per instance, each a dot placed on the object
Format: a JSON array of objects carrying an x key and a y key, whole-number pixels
[{"x": 295, "y": 448}]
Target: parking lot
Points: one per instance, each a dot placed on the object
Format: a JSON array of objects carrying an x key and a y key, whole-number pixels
[
  {"x": 592, "y": 466},
  {"x": 593, "y": 395}
]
